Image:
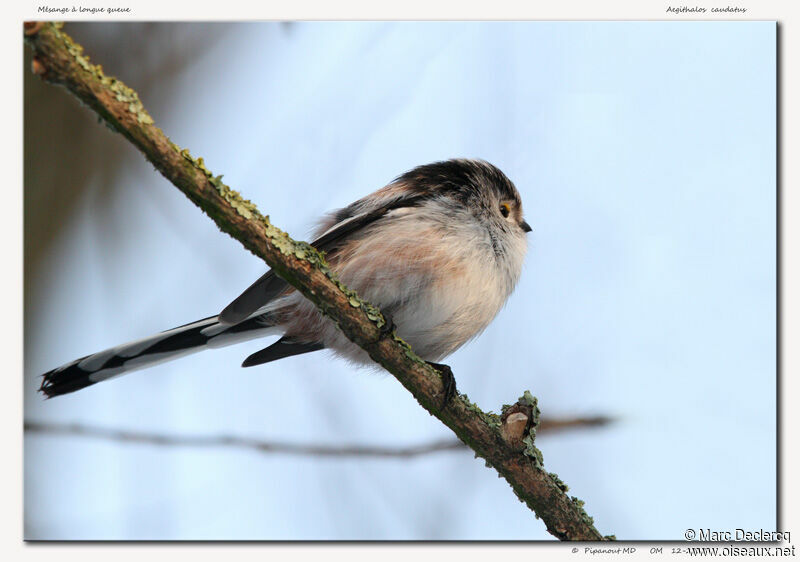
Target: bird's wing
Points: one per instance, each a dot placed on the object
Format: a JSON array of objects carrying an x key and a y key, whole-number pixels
[
  {"x": 254, "y": 297},
  {"x": 340, "y": 226}
]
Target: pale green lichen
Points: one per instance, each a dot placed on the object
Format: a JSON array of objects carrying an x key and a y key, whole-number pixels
[
  {"x": 579, "y": 503},
  {"x": 374, "y": 314},
  {"x": 122, "y": 92},
  {"x": 530, "y": 450},
  {"x": 242, "y": 206},
  {"x": 559, "y": 483},
  {"x": 489, "y": 418},
  {"x": 533, "y": 402}
]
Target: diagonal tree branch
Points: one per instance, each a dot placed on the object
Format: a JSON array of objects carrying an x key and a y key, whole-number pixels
[
  {"x": 505, "y": 442},
  {"x": 262, "y": 446}
]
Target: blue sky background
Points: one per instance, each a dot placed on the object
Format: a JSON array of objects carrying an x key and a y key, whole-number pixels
[{"x": 645, "y": 157}]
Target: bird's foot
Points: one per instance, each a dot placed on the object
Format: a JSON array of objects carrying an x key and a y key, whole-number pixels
[{"x": 448, "y": 382}]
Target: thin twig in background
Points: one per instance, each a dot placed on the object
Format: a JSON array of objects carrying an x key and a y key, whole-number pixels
[{"x": 236, "y": 442}]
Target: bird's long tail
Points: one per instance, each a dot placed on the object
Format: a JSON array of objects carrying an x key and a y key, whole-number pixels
[{"x": 166, "y": 346}]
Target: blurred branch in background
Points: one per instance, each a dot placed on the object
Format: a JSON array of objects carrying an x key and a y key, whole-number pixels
[{"x": 232, "y": 441}]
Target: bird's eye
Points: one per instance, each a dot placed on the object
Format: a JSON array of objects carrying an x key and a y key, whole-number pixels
[{"x": 505, "y": 210}]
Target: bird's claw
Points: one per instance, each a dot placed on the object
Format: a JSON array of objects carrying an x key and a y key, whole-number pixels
[{"x": 448, "y": 382}]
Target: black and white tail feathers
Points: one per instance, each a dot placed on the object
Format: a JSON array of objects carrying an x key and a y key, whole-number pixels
[{"x": 166, "y": 346}]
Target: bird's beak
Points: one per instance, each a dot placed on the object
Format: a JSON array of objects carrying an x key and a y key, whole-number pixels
[{"x": 525, "y": 226}]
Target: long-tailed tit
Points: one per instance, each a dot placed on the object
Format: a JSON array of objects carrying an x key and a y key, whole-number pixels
[{"x": 438, "y": 250}]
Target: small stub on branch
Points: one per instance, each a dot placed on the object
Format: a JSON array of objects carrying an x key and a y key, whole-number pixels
[
  {"x": 521, "y": 435},
  {"x": 514, "y": 428}
]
